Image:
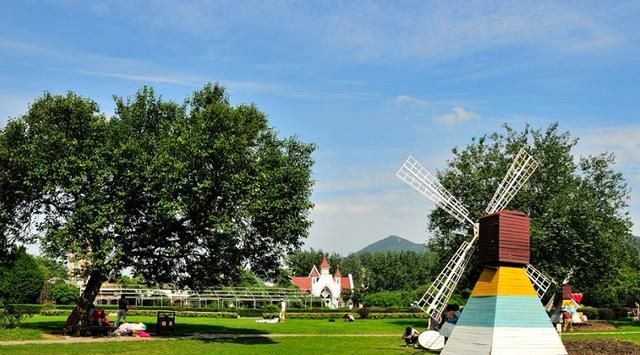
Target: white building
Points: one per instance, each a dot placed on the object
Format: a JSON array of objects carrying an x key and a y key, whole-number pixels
[{"x": 324, "y": 285}]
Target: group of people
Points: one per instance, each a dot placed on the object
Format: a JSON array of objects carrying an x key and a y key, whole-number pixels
[{"x": 97, "y": 316}]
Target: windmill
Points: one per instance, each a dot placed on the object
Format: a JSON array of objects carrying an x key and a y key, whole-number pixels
[{"x": 437, "y": 295}]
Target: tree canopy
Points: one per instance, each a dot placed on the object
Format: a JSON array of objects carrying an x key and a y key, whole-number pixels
[
  {"x": 578, "y": 207},
  {"x": 188, "y": 194}
]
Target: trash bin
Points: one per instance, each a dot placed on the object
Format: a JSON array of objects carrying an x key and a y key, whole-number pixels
[{"x": 166, "y": 322}]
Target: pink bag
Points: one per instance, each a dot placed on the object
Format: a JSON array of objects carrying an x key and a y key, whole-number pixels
[{"x": 143, "y": 334}]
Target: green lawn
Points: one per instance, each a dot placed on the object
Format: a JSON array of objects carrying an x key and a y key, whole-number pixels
[
  {"x": 293, "y": 345},
  {"x": 37, "y": 326},
  {"x": 330, "y": 337}
]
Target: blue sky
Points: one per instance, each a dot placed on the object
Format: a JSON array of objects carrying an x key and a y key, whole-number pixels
[{"x": 369, "y": 82}]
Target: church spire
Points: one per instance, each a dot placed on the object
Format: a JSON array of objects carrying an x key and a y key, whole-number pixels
[{"x": 325, "y": 263}]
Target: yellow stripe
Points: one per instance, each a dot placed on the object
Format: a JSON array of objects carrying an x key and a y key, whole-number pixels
[{"x": 503, "y": 281}]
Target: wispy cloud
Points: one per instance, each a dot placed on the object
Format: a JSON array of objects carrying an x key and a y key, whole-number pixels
[
  {"x": 446, "y": 30},
  {"x": 458, "y": 115},
  {"x": 146, "y": 78},
  {"x": 406, "y": 99},
  {"x": 366, "y": 30}
]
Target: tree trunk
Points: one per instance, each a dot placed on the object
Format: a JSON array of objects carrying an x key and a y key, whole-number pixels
[{"x": 79, "y": 317}]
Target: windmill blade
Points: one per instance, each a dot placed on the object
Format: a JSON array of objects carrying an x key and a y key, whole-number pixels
[
  {"x": 420, "y": 179},
  {"x": 521, "y": 168},
  {"x": 437, "y": 296},
  {"x": 541, "y": 282}
]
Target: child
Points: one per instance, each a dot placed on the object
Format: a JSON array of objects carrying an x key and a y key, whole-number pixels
[{"x": 410, "y": 336}]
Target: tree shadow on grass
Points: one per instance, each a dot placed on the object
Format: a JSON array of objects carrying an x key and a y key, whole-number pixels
[
  {"x": 257, "y": 340},
  {"x": 190, "y": 329},
  {"x": 46, "y": 326},
  {"x": 411, "y": 322}
]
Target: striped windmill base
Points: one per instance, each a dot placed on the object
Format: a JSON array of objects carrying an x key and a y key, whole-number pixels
[{"x": 504, "y": 316}]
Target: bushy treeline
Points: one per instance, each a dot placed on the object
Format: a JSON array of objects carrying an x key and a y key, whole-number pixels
[
  {"x": 25, "y": 278},
  {"x": 390, "y": 271}
]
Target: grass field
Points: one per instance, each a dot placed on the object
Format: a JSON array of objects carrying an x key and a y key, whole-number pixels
[
  {"x": 37, "y": 327},
  {"x": 296, "y": 336}
]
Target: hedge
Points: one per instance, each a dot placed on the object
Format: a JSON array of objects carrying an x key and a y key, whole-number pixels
[
  {"x": 334, "y": 315},
  {"x": 150, "y": 313}
]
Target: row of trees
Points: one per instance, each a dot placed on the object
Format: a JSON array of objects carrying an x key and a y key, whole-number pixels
[
  {"x": 390, "y": 271},
  {"x": 188, "y": 194}
]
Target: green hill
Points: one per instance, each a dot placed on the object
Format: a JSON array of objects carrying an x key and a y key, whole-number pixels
[{"x": 392, "y": 243}]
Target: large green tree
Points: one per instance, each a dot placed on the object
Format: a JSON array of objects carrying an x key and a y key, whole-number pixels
[
  {"x": 185, "y": 194},
  {"x": 21, "y": 277},
  {"x": 578, "y": 207}
]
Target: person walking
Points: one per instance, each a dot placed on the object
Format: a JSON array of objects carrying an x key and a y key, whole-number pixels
[
  {"x": 567, "y": 320},
  {"x": 283, "y": 309},
  {"x": 123, "y": 305}
]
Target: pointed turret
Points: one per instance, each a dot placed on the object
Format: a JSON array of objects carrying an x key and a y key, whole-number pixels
[{"x": 324, "y": 265}]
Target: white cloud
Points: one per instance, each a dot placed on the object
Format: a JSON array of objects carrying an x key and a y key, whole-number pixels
[
  {"x": 624, "y": 142},
  {"x": 458, "y": 115},
  {"x": 405, "y": 99},
  {"x": 350, "y": 222}
]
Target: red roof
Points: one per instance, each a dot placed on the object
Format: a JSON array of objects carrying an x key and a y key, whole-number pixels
[
  {"x": 325, "y": 263},
  {"x": 344, "y": 282},
  {"x": 303, "y": 283},
  {"x": 337, "y": 274}
]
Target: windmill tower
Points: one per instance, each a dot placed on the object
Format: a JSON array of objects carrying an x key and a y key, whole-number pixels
[{"x": 509, "y": 260}]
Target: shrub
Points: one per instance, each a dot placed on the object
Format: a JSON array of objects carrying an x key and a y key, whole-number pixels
[
  {"x": 270, "y": 308},
  {"x": 376, "y": 315},
  {"x": 388, "y": 299},
  {"x": 22, "y": 278},
  {"x": 363, "y": 312},
  {"x": 590, "y": 312},
  {"x": 10, "y": 315},
  {"x": 249, "y": 312},
  {"x": 620, "y": 313},
  {"x": 300, "y": 315},
  {"x": 606, "y": 314},
  {"x": 63, "y": 293}
]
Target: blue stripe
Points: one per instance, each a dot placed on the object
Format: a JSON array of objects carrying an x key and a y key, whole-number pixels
[{"x": 505, "y": 311}]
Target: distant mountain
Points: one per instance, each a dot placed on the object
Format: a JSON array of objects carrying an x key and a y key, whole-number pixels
[{"x": 392, "y": 243}]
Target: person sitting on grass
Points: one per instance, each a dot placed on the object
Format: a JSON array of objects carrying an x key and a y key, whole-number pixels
[
  {"x": 410, "y": 336},
  {"x": 348, "y": 317}
]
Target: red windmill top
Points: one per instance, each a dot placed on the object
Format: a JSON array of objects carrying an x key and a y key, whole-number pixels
[{"x": 325, "y": 263}]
